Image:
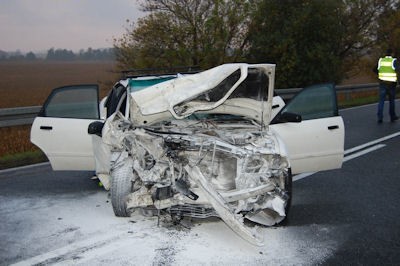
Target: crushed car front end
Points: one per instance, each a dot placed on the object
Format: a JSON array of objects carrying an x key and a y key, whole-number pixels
[{"x": 199, "y": 146}]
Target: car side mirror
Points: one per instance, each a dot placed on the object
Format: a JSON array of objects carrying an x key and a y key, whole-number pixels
[
  {"x": 95, "y": 128},
  {"x": 288, "y": 117}
]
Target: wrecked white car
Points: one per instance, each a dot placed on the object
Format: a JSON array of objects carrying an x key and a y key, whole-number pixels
[{"x": 216, "y": 143}]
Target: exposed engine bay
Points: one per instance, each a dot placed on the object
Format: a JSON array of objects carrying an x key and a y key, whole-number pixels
[
  {"x": 208, "y": 154},
  {"x": 203, "y": 170}
]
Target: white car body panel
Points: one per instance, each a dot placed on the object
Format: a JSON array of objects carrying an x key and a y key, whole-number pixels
[
  {"x": 277, "y": 106},
  {"x": 311, "y": 146},
  {"x": 103, "y": 109},
  {"x": 67, "y": 144}
]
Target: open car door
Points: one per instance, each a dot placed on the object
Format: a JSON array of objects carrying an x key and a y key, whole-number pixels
[
  {"x": 61, "y": 128},
  {"x": 317, "y": 142}
]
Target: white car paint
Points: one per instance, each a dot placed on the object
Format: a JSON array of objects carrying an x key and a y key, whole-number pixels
[
  {"x": 311, "y": 145},
  {"x": 65, "y": 142}
]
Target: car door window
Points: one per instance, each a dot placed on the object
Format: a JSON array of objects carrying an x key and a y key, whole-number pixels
[
  {"x": 80, "y": 101},
  {"x": 318, "y": 101},
  {"x": 315, "y": 142},
  {"x": 113, "y": 99}
]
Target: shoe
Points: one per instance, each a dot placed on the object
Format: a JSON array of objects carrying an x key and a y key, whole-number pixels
[
  {"x": 379, "y": 121},
  {"x": 394, "y": 119},
  {"x": 104, "y": 181}
]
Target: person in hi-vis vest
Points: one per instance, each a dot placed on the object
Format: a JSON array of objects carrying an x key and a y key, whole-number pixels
[{"x": 388, "y": 77}]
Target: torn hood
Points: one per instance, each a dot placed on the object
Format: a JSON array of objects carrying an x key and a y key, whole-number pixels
[{"x": 238, "y": 89}]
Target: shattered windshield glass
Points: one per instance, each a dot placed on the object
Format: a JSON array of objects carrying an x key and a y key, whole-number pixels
[{"x": 254, "y": 87}]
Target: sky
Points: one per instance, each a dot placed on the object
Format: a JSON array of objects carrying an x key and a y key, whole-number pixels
[{"x": 38, "y": 25}]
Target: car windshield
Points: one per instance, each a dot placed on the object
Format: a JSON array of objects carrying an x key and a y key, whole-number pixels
[{"x": 253, "y": 87}]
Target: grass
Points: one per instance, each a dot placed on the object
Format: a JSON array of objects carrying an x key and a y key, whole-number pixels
[
  {"x": 21, "y": 159},
  {"x": 358, "y": 102},
  {"x": 356, "y": 99},
  {"x": 15, "y": 140},
  {"x": 359, "y": 98},
  {"x": 16, "y": 148}
]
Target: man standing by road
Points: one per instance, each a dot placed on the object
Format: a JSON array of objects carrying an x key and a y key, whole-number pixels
[{"x": 387, "y": 67}]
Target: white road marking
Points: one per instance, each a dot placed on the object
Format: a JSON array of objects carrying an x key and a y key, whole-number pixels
[
  {"x": 345, "y": 159},
  {"x": 23, "y": 167},
  {"x": 362, "y": 150},
  {"x": 303, "y": 175},
  {"x": 360, "y": 147}
]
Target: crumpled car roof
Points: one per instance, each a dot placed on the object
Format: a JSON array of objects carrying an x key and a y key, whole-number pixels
[{"x": 165, "y": 96}]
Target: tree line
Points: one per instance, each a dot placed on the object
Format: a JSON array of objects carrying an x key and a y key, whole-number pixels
[
  {"x": 61, "y": 55},
  {"x": 310, "y": 41}
]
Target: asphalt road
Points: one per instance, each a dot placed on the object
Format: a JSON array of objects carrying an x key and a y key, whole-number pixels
[
  {"x": 361, "y": 200},
  {"x": 348, "y": 216}
]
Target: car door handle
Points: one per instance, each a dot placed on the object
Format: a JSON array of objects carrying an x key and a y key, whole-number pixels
[
  {"x": 46, "y": 128},
  {"x": 333, "y": 127}
]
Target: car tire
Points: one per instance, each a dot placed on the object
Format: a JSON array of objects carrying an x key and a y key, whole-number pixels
[
  {"x": 288, "y": 190},
  {"x": 121, "y": 186}
]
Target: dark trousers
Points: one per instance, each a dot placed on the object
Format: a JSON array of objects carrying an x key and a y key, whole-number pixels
[{"x": 387, "y": 88}]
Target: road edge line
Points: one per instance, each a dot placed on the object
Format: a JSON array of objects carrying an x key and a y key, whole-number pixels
[{"x": 3, "y": 171}]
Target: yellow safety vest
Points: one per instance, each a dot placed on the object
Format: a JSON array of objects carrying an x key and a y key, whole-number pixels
[{"x": 386, "y": 69}]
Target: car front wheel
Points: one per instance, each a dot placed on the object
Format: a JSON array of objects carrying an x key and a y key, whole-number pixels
[
  {"x": 288, "y": 190},
  {"x": 122, "y": 178}
]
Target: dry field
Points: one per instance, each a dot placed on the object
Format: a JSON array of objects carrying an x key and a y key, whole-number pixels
[
  {"x": 29, "y": 84},
  {"x": 15, "y": 140}
]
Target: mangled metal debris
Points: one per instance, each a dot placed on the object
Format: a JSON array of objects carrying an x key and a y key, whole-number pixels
[{"x": 199, "y": 146}]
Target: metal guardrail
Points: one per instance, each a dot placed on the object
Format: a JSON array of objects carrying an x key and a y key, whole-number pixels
[
  {"x": 25, "y": 115},
  {"x": 18, "y": 116},
  {"x": 287, "y": 94}
]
